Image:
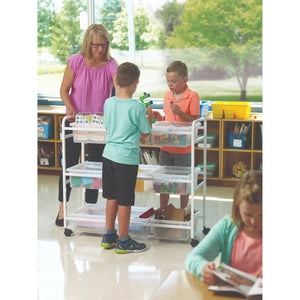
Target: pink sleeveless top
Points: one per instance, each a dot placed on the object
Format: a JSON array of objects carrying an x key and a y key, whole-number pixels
[{"x": 91, "y": 87}]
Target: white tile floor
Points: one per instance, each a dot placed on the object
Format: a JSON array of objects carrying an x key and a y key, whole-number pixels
[{"x": 78, "y": 268}]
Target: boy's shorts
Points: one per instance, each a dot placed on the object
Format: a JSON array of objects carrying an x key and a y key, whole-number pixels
[
  {"x": 118, "y": 181},
  {"x": 174, "y": 159}
]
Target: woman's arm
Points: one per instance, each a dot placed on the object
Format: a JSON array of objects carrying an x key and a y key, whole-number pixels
[{"x": 65, "y": 90}]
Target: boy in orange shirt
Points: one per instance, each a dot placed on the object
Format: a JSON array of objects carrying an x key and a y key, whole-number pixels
[{"x": 185, "y": 108}]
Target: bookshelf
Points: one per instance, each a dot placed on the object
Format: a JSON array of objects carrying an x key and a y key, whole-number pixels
[
  {"x": 219, "y": 152},
  {"x": 53, "y": 144}
]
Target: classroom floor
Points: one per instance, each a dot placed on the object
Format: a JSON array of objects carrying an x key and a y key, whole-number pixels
[{"x": 78, "y": 268}]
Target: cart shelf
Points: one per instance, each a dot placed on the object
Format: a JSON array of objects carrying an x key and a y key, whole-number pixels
[{"x": 91, "y": 217}]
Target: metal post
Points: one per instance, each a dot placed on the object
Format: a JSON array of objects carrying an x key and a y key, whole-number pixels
[{"x": 131, "y": 32}]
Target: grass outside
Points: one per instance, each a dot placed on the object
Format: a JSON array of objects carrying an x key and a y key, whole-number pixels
[{"x": 153, "y": 81}]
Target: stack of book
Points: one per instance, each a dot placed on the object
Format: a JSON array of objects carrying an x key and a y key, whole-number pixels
[
  {"x": 241, "y": 128},
  {"x": 149, "y": 156}
]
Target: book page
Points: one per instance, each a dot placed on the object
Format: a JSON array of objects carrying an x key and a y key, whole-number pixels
[
  {"x": 240, "y": 280},
  {"x": 257, "y": 288}
]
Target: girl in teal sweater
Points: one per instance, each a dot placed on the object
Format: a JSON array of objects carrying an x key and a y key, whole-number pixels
[{"x": 237, "y": 238}]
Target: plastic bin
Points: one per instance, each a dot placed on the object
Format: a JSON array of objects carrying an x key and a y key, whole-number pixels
[
  {"x": 79, "y": 172},
  {"x": 93, "y": 220},
  {"x": 173, "y": 179},
  {"x": 172, "y": 188},
  {"x": 174, "y": 134},
  {"x": 237, "y": 141},
  {"x": 231, "y": 110},
  {"x": 45, "y": 127},
  {"x": 86, "y": 182},
  {"x": 47, "y": 159},
  {"x": 204, "y": 105},
  {"x": 88, "y": 121},
  {"x": 211, "y": 168},
  {"x": 96, "y": 135},
  {"x": 175, "y": 234}
]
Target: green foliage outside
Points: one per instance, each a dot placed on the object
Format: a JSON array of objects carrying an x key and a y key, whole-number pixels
[
  {"x": 232, "y": 29},
  {"x": 222, "y": 38}
]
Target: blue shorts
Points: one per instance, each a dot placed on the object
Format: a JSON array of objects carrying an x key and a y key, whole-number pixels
[
  {"x": 118, "y": 182},
  {"x": 174, "y": 159}
]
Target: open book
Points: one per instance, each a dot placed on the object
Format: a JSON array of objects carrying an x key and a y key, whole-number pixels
[{"x": 233, "y": 280}]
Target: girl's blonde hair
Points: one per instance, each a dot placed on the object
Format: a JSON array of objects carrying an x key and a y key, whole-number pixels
[
  {"x": 248, "y": 188},
  {"x": 100, "y": 31}
]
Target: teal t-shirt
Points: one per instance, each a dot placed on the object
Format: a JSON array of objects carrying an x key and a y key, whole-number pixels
[{"x": 124, "y": 121}]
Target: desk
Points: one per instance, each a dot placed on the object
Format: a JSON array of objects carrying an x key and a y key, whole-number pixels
[{"x": 181, "y": 285}]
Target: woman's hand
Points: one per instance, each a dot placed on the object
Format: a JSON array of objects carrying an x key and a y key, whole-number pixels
[
  {"x": 71, "y": 111},
  {"x": 207, "y": 274}
]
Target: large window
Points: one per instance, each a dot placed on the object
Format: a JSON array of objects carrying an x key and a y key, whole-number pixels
[{"x": 220, "y": 41}]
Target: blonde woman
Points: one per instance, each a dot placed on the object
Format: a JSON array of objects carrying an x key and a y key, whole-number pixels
[
  {"x": 238, "y": 238},
  {"x": 86, "y": 84}
]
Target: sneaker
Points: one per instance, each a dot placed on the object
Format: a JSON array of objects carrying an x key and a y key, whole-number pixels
[
  {"x": 109, "y": 240},
  {"x": 130, "y": 246}
]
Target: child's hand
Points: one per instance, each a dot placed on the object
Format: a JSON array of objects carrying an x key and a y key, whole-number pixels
[
  {"x": 156, "y": 116},
  {"x": 175, "y": 109},
  {"x": 260, "y": 274},
  {"x": 207, "y": 274}
]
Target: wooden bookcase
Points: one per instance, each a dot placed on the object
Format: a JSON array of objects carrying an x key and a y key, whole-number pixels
[
  {"x": 220, "y": 152},
  {"x": 251, "y": 154},
  {"x": 55, "y": 142}
]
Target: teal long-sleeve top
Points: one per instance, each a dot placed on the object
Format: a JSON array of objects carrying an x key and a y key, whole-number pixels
[{"x": 220, "y": 239}]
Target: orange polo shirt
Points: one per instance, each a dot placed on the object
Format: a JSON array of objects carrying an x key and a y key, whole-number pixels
[{"x": 190, "y": 105}]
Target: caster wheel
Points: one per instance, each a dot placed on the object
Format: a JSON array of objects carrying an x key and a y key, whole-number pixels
[
  {"x": 205, "y": 230},
  {"x": 68, "y": 232},
  {"x": 194, "y": 242}
]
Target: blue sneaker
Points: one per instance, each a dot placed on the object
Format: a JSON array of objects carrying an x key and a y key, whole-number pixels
[
  {"x": 130, "y": 246},
  {"x": 109, "y": 240}
]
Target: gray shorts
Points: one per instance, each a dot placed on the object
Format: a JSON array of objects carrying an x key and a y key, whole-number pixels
[{"x": 174, "y": 159}]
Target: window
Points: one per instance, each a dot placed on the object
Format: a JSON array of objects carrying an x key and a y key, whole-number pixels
[
  {"x": 61, "y": 26},
  {"x": 220, "y": 41}
]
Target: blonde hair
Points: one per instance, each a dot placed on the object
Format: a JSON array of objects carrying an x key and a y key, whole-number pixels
[
  {"x": 248, "y": 188},
  {"x": 100, "y": 31},
  {"x": 179, "y": 67}
]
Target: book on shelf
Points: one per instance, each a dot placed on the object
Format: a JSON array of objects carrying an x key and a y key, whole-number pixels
[
  {"x": 241, "y": 128},
  {"x": 149, "y": 156},
  {"x": 233, "y": 280}
]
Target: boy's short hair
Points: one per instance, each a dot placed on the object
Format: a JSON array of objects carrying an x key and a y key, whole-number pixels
[
  {"x": 127, "y": 74},
  {"x": 179, "y": 67}
]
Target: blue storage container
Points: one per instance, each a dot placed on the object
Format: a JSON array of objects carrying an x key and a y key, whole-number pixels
[
  {"x": 204, "y": 105},
  {"x": 237, "y": 141}
]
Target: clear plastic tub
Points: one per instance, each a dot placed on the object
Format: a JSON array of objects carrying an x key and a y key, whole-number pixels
[
  {"x": 87, "y": 174},
  {"x": 173, "y": 179},
  {"x": 175, "y": 234},
  {"x": 92, "y": 220},
  {"x": 86, "y": 121},
  {"x": 174, "y": 134}
]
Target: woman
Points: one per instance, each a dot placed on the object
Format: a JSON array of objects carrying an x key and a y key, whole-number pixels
[{"x": 87, "y": 83}]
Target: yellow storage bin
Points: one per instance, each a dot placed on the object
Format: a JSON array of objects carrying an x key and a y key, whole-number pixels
[
  {"x": 231, "y": 110},
  {"x": 143, "y": 186}
]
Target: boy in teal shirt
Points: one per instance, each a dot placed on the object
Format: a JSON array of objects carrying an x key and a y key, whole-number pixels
[{"x": 125, "y": 120}]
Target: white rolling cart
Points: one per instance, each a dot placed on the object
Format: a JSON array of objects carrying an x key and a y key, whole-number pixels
[{"x": 91, "y": 217}]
